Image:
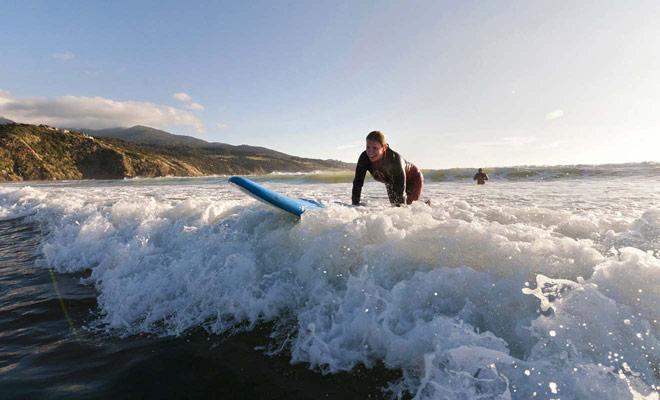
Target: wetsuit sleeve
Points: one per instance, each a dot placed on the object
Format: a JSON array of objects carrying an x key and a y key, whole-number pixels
[
  {"x": 398, "y": 192},
  {"x": 360, "y": 172}
]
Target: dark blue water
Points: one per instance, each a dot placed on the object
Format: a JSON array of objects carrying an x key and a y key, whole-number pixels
[{"x": 47, "y": 351}]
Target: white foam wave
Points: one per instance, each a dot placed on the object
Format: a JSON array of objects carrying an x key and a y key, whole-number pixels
[{"x": 549, "y": 290}]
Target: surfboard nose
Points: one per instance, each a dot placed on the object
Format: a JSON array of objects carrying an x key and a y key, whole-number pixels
[{"x": 294, "y": 206}]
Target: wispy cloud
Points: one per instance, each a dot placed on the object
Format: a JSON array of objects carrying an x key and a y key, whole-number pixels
[
  {"x": 93, "y": 112},
  {"x": 195, "y": 106},
  {"x": 222, "y": 126},
  {"x": 5, "y": 97},
  {"x": 186, "y": 98},
  {"x": 67, "y": 55},
  {"x": 182, "y": 97}
]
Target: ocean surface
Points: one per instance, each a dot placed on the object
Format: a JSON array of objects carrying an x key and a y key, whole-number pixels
[{"x": 542, "y": 284}]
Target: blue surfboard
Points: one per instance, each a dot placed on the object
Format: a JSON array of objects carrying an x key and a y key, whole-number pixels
[{"x": 294, "y": 206}]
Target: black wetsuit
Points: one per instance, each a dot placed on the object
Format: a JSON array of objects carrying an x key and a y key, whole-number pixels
[
  {"x": 481, "y": 178},
  {"x": 401, "y": 178}
]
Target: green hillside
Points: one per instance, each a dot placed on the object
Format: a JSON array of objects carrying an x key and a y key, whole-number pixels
[
  {"x": 146, "y": 135},
  {"x": 151, "y": 136},
  {"x": 31, "y": 152}
]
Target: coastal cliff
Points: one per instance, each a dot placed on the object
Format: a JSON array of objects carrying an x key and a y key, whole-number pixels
[{"x": 31, "y": 152}]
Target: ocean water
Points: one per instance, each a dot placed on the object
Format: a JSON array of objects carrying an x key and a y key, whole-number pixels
[{"x": 545, "y": 288}]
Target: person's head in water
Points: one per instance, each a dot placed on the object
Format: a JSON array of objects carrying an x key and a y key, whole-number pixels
[{"x": 376, "y": 145}]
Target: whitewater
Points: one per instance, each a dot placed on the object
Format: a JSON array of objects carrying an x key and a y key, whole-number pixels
[{"x": 544, "y": 286}]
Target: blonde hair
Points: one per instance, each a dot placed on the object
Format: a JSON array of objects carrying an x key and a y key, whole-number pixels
[{"x": 377, "y": 136}]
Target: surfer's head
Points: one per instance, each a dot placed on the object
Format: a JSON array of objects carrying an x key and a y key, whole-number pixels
[
  {"x": 376, "y": 145},
  {"x": 480, "y": 169}
]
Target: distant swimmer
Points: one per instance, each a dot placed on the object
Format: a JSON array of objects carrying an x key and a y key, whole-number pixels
[
  {"x": 480, "y": 177},
  {"x": 402, "y": 179}
]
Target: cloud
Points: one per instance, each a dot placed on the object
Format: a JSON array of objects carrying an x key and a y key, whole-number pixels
[
  {"x": 5, "y": 97},
  {"x": 67, "y": 55},
  {"x": 186, "y": 98},
  {"x": 182, "y": 97},
  {"x": 222, "y": 126},
  {"x": 554, "y": 114},
  {"x": 195, "y": 106},
  {"x": 93, "y": 112}
]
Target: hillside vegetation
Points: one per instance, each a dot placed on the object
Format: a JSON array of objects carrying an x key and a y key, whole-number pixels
[{"x": 31, "y": 152}]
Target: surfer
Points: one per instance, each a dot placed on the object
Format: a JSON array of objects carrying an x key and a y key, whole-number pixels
[
  {"x": 480, "y": 177},
  {"x": 402, "y": 179}
]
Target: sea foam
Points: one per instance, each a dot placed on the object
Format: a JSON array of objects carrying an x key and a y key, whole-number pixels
[{"x": 513, "y": 290}]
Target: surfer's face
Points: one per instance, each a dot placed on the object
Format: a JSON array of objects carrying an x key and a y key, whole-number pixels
[{"x": 375, "y": 151}]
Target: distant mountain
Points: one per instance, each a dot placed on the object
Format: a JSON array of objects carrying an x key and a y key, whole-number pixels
[
  {"x": 151, "y": 136},
  {"x": 31, "y": 152},
  {"x": 146, "y": 135},
  {"x": 5, "y": 121}
]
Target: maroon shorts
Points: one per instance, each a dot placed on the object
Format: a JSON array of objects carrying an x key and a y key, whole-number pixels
[{"x": 414, "y": 183}]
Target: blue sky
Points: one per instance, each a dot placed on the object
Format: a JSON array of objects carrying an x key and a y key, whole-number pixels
[{"x": 450, "y": 83}]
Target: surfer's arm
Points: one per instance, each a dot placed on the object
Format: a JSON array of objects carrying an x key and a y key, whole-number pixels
[
  {"x": 398, "y": 193},
  {"x": 360, "y": 172}
]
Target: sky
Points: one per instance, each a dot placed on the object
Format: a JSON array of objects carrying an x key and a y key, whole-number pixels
[{"x": 450, "y": 83}]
